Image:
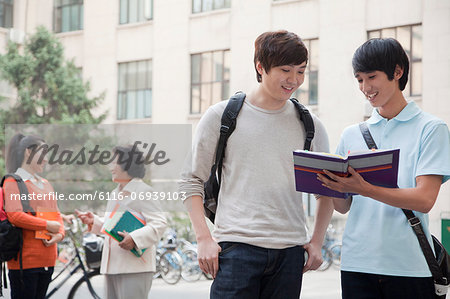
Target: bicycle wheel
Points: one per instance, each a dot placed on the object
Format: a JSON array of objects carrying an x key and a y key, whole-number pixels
[
  {"x": 158, "y": 270},
  {"x": 80, "y": 289},
  {"x": 170, "y": 267},
  {"x": 336, "y": 254},
  {"x": 190, "y": 270},
  {"x": 326, "y": 256}
]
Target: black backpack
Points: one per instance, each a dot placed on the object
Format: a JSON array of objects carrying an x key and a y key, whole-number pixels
[
  {"x": 11, "y": 240},
  {"x": 228, "y": 124}
]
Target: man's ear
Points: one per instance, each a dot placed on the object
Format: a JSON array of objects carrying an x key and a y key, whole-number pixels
[
  {"x": 398, "y": 72},
  {"x": 259, "y": 68}
]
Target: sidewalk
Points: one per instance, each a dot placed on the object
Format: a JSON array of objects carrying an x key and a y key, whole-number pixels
[{"x": 323, "y": 285}]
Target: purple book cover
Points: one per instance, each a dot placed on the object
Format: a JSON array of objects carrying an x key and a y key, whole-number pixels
[{"x": 378, "y": 167}]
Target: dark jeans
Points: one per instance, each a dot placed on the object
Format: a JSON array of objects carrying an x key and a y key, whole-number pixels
[
  {"x": 35, "y": 283},
  {"x": 252, "y": 272},
  {"x": 357, "y": 285}
]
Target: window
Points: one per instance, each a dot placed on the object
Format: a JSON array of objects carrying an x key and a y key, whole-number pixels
[
  {"x": 6, "y": 13},
  {"x": 134, "y": 99},
  {"x": 133, "y": 11},
  {"x": 68, "y": 15},
  {"x": 308, "y": 92},
  {"x": 210, "y": 79},
  {"x": 410, "y": 37},
  {"x": 208, "y": 5}
]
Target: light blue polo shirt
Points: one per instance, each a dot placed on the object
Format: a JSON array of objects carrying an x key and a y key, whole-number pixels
[{"x": 377, "y": 237}]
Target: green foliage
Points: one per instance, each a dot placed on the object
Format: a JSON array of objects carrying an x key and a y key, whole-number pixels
[
  {"x": 50, "y": 89},
  {"x": 180, "y": 222}
]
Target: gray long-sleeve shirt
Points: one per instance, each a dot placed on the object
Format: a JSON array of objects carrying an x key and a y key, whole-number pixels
[{"x": 258, "y": 203}]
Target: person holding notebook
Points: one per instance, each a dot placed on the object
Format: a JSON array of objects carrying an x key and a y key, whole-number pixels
[
  {"x": 381, "y": 255},
  {"x": 129, "y": 276},
  {"x": 23, "y": 157},
  {"x": 258, "y": 244}
]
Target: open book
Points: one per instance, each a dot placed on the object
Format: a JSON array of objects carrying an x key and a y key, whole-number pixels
[
  {"x": 123, "y": 219},
  {"x": 378, "y": 167}
]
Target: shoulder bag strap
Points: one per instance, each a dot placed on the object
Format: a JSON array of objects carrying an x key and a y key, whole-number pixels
[
  {"x": 367, "y": 136},
  {"x": 413, "y": 221}
]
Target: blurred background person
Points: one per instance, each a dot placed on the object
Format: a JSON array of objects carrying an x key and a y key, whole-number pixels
[
  {"x": 38, "y": 255},
  {"x": 128, "y": 276}
]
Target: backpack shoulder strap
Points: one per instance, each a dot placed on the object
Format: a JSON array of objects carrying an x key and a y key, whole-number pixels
[
  {"x": 23, "y": 191},
  {"x": 306, "y": 118},
  {"x": 227, "y": 126}
]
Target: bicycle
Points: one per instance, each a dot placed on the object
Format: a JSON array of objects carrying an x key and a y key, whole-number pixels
[
  {"x": 331, "y": 250},
  {"x": 90, "y": 279},
  {"x": 168, "y": 263},
  {"x": 191, "y": 270}
]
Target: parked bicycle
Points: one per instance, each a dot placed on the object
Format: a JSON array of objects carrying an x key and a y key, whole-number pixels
[
  {"x": 74, "y": 259},
  {"x": 176, "y": 259},
  {"x": 331, "y": 250},
  {"x": 169, "y": 263},
  {"x": 191, "y": 270}
]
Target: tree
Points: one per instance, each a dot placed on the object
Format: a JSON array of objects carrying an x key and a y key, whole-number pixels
[{"x": 50, "y": 89}]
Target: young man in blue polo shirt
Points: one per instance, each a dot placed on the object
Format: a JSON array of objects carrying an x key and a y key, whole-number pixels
[{"x": 381, "y": 256}]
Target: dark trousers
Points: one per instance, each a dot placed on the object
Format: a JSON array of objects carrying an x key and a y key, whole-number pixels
[
  {"x": 251, "y": 272},
  {"x": 357, "y": 285},
  {"x": 35, "y": 283}
]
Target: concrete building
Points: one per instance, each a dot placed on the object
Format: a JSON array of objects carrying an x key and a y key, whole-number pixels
[{"x": 166, "y": 61}]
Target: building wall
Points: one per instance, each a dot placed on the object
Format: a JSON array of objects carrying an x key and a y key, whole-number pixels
[
  {"x": 436, "y": 80},
  {"x": 175, "y": 33}
]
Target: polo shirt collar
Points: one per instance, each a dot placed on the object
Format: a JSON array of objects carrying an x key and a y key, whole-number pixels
[{"x": 410, "y": 111}]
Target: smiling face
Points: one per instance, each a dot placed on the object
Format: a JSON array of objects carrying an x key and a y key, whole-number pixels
[
  {"x": 281, "y": 81},
  {"x": 377, "y": 88}
]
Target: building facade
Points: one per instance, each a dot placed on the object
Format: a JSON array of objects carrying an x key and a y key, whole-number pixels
[{"x": 166, "y": 61}]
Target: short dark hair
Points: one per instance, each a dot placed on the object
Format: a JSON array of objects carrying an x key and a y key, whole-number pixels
[
  {"x": 130, "y": 160},
  {"x": 382, "y": 54},
  {"x": 16, "y": 150},
  {"x": 277, "y": 48}
]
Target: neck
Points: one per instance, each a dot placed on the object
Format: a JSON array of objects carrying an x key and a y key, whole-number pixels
[
  {"x": 28, "y": 169},
  {"x": 262, "y": 99},
  {"x": 123, "y": 183},
  {"x": 393, "y": 107}
]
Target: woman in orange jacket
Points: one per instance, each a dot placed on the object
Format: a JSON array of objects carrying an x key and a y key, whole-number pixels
[{"x": 38, "y": 254}]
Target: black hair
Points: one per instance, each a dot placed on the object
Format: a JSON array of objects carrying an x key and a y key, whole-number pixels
[
  {"x": 16, "y": 150},
  {"x": 382, "y": 54},
  {"x": 130, "y": 160}
]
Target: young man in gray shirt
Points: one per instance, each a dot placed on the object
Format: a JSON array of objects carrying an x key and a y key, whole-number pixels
[{"x": 260, "y": 236}]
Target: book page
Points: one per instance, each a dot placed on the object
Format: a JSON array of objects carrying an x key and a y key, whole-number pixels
[{"x": 322, "y": 154}]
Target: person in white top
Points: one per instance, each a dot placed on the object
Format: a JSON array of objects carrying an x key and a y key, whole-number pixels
[
  {"x": 129, "y": 276},
  {"x": 260, "y": 237}
]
